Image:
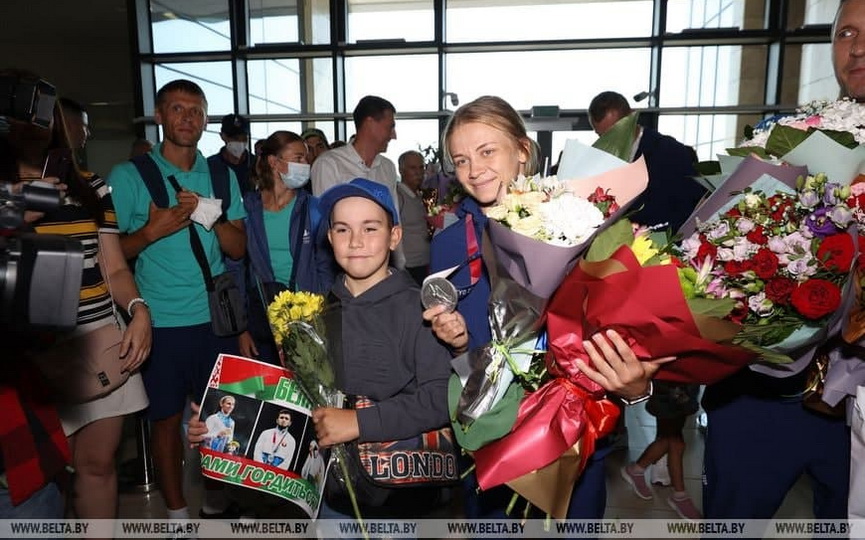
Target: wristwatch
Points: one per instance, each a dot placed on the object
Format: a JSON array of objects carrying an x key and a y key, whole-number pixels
[{"x": 640, "y": 399}]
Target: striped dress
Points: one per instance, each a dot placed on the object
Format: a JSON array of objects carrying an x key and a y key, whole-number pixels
[
  {"x": 94, "y": 308},
  {"x": 74, "y": 221}
]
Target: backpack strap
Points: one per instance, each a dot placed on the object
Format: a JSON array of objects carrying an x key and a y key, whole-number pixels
[
  {"x": 152, "y": 176},
  {"x": 153, "y": 180},
  {"x": 219, "y": 178}
]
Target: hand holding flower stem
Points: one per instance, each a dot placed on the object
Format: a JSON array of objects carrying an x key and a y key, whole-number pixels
[{"x": 297, "y": 322}]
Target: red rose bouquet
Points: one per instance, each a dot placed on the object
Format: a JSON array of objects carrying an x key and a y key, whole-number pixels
[{"x": 783, "y": 255}]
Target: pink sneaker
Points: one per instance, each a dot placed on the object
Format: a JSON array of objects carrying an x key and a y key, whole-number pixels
[
  {"x": 637, "y": 480},
  {"x": 685, "y": 508}
]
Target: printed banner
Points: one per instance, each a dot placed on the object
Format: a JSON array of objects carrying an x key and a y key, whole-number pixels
[{"x": 260, "y": 433}]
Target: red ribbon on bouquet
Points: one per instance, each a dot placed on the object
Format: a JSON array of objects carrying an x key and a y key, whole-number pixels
[
  {"x": 550, "y": 421},
  {"x": 646, "y": 306}
]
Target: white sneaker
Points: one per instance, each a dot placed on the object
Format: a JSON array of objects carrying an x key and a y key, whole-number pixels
[{"x": 659, "y": 474}]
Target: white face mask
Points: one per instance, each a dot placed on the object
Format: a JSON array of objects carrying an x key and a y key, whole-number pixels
[
  {"x": 236, "y": 148},
  {"x": 297, "y": 175}
]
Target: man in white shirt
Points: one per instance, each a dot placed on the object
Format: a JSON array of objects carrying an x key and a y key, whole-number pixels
[
  {"x": 375, "y": 125},
  {"x": 362, "y": 157},
  {"x": 275, "y": 446}
]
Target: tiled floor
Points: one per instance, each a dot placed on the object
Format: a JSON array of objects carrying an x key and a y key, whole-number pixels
[{"x": 621, "y": 501}]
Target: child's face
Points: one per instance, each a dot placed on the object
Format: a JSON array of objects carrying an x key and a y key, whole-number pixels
[{"x": 362, "y": 241}]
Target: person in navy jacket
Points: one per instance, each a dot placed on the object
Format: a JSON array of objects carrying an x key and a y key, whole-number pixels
[{"x": 286, "y": 249}]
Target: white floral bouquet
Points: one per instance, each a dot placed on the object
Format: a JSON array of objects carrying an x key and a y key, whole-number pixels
[
  {"x": 843, "y": 120},
  {"x": 541, "y": 208},
  {"x": 534, "y": 237}
]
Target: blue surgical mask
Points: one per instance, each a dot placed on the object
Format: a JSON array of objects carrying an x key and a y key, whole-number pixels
[{"x": 297, "y": 175}]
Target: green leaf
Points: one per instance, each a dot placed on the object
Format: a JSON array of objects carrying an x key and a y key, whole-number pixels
[
  {"x": 708, "y": 168},
  {"x": 619, "y": 139},
  {"x": 712, "y": 307},
  {"x": 844, "y": 138},
  {"x": 661, "y": 239},
  {"x": 783, "y": 139},
  {"x": 609, "y": 240},
  {"x": 770, "y": 334},
  {"x": 767, "y": 356},
  {"x": 746, "y": 151}
]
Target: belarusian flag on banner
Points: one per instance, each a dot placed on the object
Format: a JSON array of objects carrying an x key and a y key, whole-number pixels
[{"x": 254, "y": 379}]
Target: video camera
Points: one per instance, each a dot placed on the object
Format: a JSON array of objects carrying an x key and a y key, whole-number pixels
[
  {"x": 40, "y": 274},
  {"x": 27, "y": 100}
]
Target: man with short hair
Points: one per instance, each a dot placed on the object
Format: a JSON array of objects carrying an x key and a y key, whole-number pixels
[
  {"x": 362, "y": 156},
  {"x": 275, "y": 446},
  {"x": 235, "y": 154},
  {"x": 767, "y": 410},
  {"x": 374, "y": 121},
  {"x": 316, "y": 143},
  {"x": 170, "y": 278},
  {"x": 848, "y": 58},
  {"x": 412, "y": 215},
  {"x": 672, "y": 193},
  {"x": 848, "y": 49}
]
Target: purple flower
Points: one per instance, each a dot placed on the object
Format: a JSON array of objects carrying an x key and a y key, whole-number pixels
[
  {"x": 777, "y": 244},
  {"x": 820, "y": 224},
  {"x": 809, "y": 199},
  {"x": 830, "y": 193},
  {"x": 841, "y": 216}
]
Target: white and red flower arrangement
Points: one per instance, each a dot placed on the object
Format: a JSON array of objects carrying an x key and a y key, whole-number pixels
[{"x": 782, "y": 259}]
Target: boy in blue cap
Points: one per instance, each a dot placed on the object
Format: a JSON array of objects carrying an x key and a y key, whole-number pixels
[{"x": 391, "y": 356}]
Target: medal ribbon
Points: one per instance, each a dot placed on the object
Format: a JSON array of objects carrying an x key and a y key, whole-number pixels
[{"x": 475, "y": 266}]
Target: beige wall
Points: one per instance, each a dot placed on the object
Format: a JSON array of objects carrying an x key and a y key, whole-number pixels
[{"x": 83, "y": 49}]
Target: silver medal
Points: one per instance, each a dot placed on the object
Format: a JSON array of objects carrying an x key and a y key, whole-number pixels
[{"x": 437, "y": 291}]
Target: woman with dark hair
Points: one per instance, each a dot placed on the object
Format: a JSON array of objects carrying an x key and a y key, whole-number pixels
[
  {"x": 87, "y": 215},
  {"x": 286, "y": 250}
]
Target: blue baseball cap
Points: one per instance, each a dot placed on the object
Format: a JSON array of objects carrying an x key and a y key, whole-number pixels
[{"x": 360, "y": 187}]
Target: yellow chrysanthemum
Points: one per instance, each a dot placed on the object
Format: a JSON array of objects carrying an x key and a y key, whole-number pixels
[
  {"x": 645, "y": 250},
  {"x": 288, "y": 307}
]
